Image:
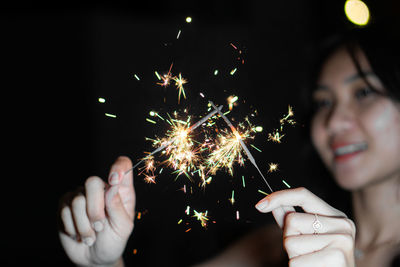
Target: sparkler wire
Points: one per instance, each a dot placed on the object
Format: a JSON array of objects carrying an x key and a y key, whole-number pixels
[
  {"x": 194, "y": 126},
  {"x": 246, "y": 150}
]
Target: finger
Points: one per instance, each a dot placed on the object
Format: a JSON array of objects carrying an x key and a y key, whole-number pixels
[
  {"x": 81, "y": 220},
  {"x": 118, "y": 172},
  {"x": 95, "y": 206},
  {"x": 299, "y": 197},
  {"x": 305, "y": 244},
  {"x": 297, "y": 223},
  {"x": 120, "y": 220},
  {"x": 68, "y": 222},
  {"x": 121, "y": 169},
  {"x": 280, "y": 213},
  {"x": 327, "y": 258}
]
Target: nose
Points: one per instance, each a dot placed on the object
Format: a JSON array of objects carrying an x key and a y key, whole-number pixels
[{"x": 339, "y": 120}]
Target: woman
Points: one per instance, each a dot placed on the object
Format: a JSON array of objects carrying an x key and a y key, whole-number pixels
[{"x": 355, "y": 129}]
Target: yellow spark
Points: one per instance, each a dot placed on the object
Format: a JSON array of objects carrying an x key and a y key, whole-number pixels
[
  {"x": 179, "y": 82},
  {"x": 275, "y": 137},
  {"x": 231, "y": 100},
  {"x": 150, "y": 179},
  {"x": 202, "y": 217},
  {"x": 232, "y": 199},
  {"x": 101, "y": 100},
  {"x": 273, "y": 167}
]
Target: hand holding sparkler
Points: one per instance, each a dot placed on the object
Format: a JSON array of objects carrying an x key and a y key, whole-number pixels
[
  {"x": 98, "y": 223},
  {"x": 322, "y": 234}
]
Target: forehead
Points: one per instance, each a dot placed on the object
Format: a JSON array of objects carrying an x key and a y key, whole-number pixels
[{"x": 340, "y": 66}]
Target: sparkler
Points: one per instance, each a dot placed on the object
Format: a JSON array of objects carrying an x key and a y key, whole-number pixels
[
  {"x": 165, "y": 144},
  {"x": 246, "y": 150}
]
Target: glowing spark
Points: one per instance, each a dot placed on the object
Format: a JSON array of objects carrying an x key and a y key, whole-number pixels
[
  {"x": 259, "y": 129},
  {"x": 202, "y": 217},
  {"x": 180, "y": 221},
  {"x": 259, "y": 150},
  {"x": 273, "y": 167},
  {"x": 188, "y": 19},
  {"x": 179, "y": 33},
  {"x": 150, "y": 179},
  {"x": 201, "y": 94},
  {"x": 233, "y": 71},
  {"x": 101, "y": 100},
  {"x": 287, "y": 185},
  {"x": 137, "y": 77},
  {"x": 231, "y": 100},
  {"x": 166, "y": 78},
  {"x": 232, "y": 199},
  {"x": 246, "y": 150},
  {"x": 110, "y": 115},
  {"x": 187, "y": 210},
  {"x": 179, "y": 82},
  {"x": 275, "y": 137},
  {"x": 243, "y": 183},
  {"x": 215, "y": 72},
  {"x": 151, "y": 121},
  {"x": 158, "y": 75},
  {"x": 262, "y": 192},
  {"x": 237, "y": 215}
]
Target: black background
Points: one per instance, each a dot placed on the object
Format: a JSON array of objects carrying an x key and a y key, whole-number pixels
[{"x": 57, "y": 59}]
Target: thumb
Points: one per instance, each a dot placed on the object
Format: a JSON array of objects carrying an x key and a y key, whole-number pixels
[{"x": 118, "y": 217}]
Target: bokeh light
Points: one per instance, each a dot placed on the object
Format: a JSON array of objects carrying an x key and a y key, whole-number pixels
[{"x": 357, "y": 12}]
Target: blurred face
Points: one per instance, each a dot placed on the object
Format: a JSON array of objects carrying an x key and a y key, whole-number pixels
[{"x": 355, "y": 129}]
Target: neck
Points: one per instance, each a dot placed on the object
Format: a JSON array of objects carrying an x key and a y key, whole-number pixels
[{"x": 377, "y": 213}]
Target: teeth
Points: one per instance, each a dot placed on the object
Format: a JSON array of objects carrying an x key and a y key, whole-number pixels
[{"x": 350, "y": 149}]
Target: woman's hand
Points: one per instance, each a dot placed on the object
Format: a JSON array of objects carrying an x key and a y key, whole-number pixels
[
  {"x": 321, "y": 236},
  {"x": 98, "y": 222}
]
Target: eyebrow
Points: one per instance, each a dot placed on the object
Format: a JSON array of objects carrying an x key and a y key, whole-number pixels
[
  {"x": 357, "y": 76},
  {"x": 349, "y": 79}
]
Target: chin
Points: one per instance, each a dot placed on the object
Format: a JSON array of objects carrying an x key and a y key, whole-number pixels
[{"x": 350, "y": 182}]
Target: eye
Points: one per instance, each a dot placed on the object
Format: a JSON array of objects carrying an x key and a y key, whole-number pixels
[
  {"x": 321, "y": 103},
  {"x": 364, "y": 92}
]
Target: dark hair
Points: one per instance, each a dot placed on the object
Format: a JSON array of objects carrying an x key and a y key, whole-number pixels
[
  {"x": 382, "y": 49},
  {"x": 380, "y": 44}
]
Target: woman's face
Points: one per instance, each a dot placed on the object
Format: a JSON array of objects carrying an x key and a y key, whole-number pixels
[{"x": 355, "y": 130}]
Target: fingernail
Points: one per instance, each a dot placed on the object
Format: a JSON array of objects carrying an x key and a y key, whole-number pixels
[
  {"x": 113, "y": 180},
  {"x": 262, "y": 205},
  {"x": 98, "y": 226},
  {"x": 88, "y": 241}
]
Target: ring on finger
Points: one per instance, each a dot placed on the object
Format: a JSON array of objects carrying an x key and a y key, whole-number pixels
[{"x": 317, "y": 225}]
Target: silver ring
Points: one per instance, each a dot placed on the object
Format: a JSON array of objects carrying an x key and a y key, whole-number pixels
[{"x": 317, "y": 225}]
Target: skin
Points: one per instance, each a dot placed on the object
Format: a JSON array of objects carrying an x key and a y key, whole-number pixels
[{"x": 348, "y": 113}]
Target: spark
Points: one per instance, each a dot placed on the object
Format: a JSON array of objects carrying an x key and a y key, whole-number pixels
[
  {"x": 215, "y": 72},
  {"x": 180, "y": 221},
  {"x": 151, "y": 121},
  {"x": 158, "y": 75},
  {"x": 179, "y": 33},
  {"x": 110, "y": 115},
  {"x": 237, "y": 215},
  {"x": 256, "y": 148},
  {"x": 287, "y": 185},
  {"x": 275, "y": 136},
  {"x": 187, "y": 211},
  {"x": 101, "y": 100},
  {"x": 262, "y": 192},
  {"x": 232, "y": 101},
  {"x": 258, "y": 129},
  {"x": 233, "y": 71},
  {"x": 232, "y": 199},
  {"x": 273, "y": 167},
  {"x": 149, "y": 179},
  {"x": 166, "y": 78},
  {"x": 202, "y": 217},
  {"x": 243, "y": 183},
  {"x": 246, "y": 150},
  {"x": 179, "y": 82},
  {"x": 137, "y": 77}
]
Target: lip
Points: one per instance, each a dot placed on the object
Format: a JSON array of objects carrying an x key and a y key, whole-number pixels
[{"x": 345, "y": 157}]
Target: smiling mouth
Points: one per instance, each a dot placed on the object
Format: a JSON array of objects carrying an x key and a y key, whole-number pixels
[{"x": 350, "y": 149}]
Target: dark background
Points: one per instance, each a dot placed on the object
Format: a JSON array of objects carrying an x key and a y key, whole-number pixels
[{"x": 57, "y": 59}]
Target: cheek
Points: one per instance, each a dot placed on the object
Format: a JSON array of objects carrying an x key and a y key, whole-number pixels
[
  {"x": 317, "y": 134},
  {"x": 384, "y": 126}
]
